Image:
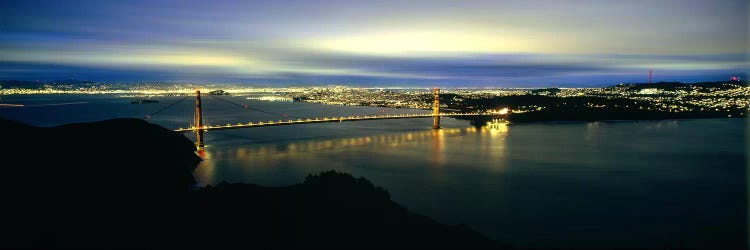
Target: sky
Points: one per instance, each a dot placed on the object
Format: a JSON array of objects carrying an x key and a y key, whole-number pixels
[{"x": 532, "y": 43}]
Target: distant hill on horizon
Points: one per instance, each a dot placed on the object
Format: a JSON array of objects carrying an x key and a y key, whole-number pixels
[{"x": 72, "y": 82}]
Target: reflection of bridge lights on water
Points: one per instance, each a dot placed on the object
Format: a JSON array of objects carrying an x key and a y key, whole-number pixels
[
  {"x": 497, "y": 126},
  {"x": 319, "y": 145},
  {"x": 383, "y": 139},
  {"x": 205, "y": 173},
  {"x": 493, "y": 128},
  {"x": 436, "y": 146},
  {"x": 437, "y": 156}
]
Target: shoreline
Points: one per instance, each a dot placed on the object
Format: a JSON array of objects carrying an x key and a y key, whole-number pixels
[{"x": 621, "y": 120}]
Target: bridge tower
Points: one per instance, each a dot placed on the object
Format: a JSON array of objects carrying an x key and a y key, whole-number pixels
[
  {"x": 198, "y": 121},
  {"x": 436, "y": 109}
]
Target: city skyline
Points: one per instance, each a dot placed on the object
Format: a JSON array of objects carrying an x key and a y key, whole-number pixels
[{"x": 415, "y": 43}]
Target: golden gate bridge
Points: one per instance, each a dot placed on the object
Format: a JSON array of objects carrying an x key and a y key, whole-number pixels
[{"x": 199, "y": 128}]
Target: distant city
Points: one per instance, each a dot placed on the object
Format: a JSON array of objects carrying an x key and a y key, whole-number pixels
[{"x": 728, "y": 98}]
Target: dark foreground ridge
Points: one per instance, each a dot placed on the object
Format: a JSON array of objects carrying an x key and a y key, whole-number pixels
[{"x": 129, "y": 183}]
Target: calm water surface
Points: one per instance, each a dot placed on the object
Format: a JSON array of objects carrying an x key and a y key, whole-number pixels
[{"x": 654, "y": 184}]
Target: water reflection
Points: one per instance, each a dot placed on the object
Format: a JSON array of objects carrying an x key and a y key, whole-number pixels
[
  {"x": 492, "y": 146},
  {"x": 205, "y": 173},
  {"x": 593, "y": 129},
  {"x": 329, "y": 144},
  {"x": 438, "y": 152}
]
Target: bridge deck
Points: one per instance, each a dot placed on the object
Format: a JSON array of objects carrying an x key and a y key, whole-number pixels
[{"x": 322, "y": 120}]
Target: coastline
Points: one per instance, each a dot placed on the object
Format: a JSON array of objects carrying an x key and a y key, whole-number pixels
[{"x": 622, "y": 120}]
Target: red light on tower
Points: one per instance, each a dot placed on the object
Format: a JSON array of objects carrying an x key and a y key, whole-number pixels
[{"x": 734, "y": 78}]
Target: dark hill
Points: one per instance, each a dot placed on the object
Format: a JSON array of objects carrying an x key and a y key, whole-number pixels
[
  {"x": 326, "y": 210},
  {"x": 128, "y": 183},
  {"x": 116, "y": 182}
]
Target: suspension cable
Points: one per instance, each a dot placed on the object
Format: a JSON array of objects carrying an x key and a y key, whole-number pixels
[
  {"x": 165, "y": 108},
  {"x": 254, "y": 109}
]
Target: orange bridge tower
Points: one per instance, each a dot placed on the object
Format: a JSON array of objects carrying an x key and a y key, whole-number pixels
[
  {"x": 198, "y": 121},
  {"x": 436, "y": 109}
]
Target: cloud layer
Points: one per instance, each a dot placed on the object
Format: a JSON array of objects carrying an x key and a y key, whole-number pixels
[{"x": 416, "y": 43}]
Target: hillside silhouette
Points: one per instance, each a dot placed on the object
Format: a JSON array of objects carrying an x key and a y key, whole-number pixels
[{"x": 129, "y": 183}]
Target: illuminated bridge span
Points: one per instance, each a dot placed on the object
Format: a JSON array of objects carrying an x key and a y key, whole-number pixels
[
  {"x": 200, "y": 128},
  {"x": 326, "y": 119}
]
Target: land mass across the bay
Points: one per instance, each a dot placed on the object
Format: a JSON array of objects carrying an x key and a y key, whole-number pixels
[
  {"x": 644, "y": 101},
  {"x": 129, "y": 183},
  {"x": 634, "y": 101}
]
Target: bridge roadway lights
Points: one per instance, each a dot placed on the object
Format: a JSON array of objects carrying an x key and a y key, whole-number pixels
[
  {"x": 199, "y": 129},
  {"x": 318, "y": 120}
]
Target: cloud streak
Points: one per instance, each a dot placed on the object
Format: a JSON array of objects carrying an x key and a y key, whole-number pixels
[{"x": 362, "y": 42}]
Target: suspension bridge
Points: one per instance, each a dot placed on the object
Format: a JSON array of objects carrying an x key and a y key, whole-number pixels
[{"x": 199, "y": 128}]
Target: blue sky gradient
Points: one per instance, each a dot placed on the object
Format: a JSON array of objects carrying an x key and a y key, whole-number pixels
[{"x": 376, "y": 43}]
